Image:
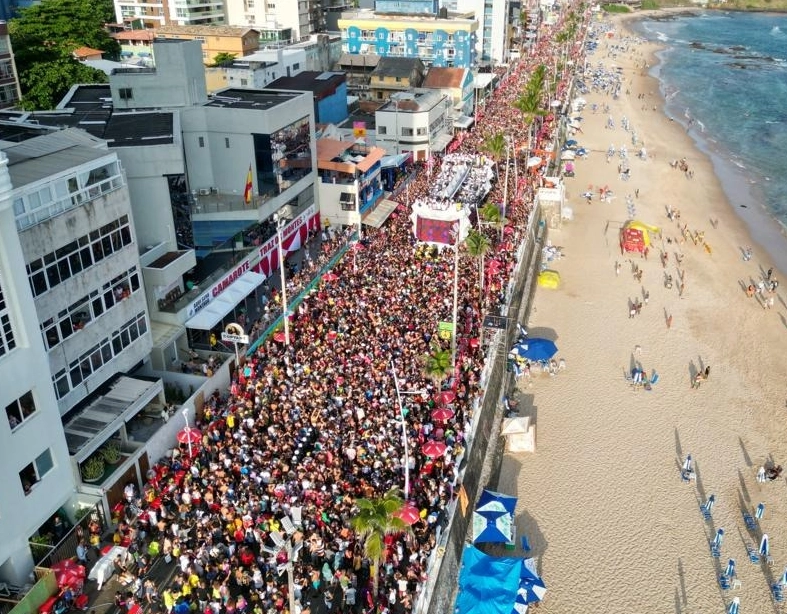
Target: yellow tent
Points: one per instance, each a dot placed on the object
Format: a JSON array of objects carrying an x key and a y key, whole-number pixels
[{"x": 549, "y": 279}]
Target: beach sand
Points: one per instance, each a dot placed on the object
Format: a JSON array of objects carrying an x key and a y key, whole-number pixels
[{"x": 613, "y": 527}]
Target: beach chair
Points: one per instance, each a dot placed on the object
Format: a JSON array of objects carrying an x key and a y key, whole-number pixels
[
  {"x": 525, "y": 543},
  {"x": 706, "y": 511},
  {"x": 715, "y": 550},
  {"x": 751, "y": 525},
  {"x": 724, "y": 582},
  {"x": 778, "y": 592},
  {"x": 754, "y": 556}
]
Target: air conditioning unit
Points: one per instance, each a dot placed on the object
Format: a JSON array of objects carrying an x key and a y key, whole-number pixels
[{"x": 204, "y": 191}]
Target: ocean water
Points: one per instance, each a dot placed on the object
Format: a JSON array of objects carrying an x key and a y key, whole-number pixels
[{"x": 725, "y": 75}]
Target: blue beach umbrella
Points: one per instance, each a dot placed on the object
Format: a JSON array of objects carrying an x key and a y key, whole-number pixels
[
  {"x": 719, "y": 538},
  {"x": 783, "y": 579},
  {"x": 535, "y": 349},
  {"x": 759, "y": 511},
  {"x": 531, "y": 586},
  {"x": 730, "y": 571},
  {"x": 734, "y": 606},
  {"x": 687, "y": 463},
  {"x": 765, "y": 547},
  {"x": 709, "y": 503}
]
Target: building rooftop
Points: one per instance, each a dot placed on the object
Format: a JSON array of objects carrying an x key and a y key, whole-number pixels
[
  {"x": 440, "y": 77},
  {"x": 250, "y": 99},
  {"x": 407, "y": 102},
  {"x": 359, "y": 60},
  {"x": 203, "y": 30},
  {"x": 346, "y": 156},
  {"x": 51, "y": 154},
  {"x": 134, "y": 35},
  {"x": 397, "y": 67},
  {"x": 85, "y": 52},
  {"x": 320, "y": 84},
  {"x": 135, "y": 129}
]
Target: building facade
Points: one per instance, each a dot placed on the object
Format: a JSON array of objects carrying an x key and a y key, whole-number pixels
[
  {"x": 156, "y": 13},
  {"x": 10, "y": 94},
  {"x": 416, "y": 123},
  {"x": 492, "y": 41},
  {"x": 437, "y": 41},
  {"x": 37, "y": 473},
  {"x": 215, "y": 39}
]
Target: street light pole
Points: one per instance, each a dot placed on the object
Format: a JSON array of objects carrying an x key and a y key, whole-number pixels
[
  {"x": 505, "y": 189},
  {"x": 280, "y": 223},
  {"x": 358, "y": 207},
  {"x": 403, "y": 424}
]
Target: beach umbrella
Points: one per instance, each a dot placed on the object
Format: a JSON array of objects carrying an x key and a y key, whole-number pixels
[
  {"x": 783, "y": 579},
  {"x": 531, "y": 586},
  {"x": 330, "y": 277},
  {"x": 536, "y": 349},
  {"x": 730, "y": 571},
  {"x": 190, "y": 437},
  {"x": 734, "y": 606},
  {"x": 567, "y": 155},
  {"x": 571, "y": 142},
  {"x": 709, "y": 503},
  {"x": 549, "y": 279},
  {"x": 687, "y": 463},
  {"x": 280, "y": 337},
  {"x": 765, "y": 547},
  {"x": 447, "y": 396},
  {"x": 534, "y": 161},
  {"x": 442, "y": 414},
  {"x": 409, "y": 514},
  {"x": 493, "y": 518},
  {"x": 759, "y": 511},
  {"x": 68, "y": 573},
  {"x": 719, "y": 538},
  {"x": 433, "y": 448}
]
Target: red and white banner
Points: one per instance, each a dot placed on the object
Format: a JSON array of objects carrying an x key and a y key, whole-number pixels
[{"x": 293, "y": 236}]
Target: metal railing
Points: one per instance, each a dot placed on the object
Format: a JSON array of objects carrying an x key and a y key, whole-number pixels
[{"x": 66, "y": 548}]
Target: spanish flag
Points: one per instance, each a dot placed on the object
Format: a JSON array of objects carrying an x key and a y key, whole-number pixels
[{"x": 248, "y": 189}]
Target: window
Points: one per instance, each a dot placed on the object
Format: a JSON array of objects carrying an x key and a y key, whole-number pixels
[
  {"x": 7, "y": 340},
  {"x": 407, "y": 132},
  {"x": 244, "y": 82},
  {"x": 382, "y": 130},
  {"x": 58, "y": 266},
  {"x": 35, "y": 471},
  {"x": 20, "y": 410},
  {"x": 201, "y": 141},
  {"x": 227, "y": 142},
  {"x": 296, "y": 66},
  {"x": 126, "y": 93},
  {"x": 421, "y": 131}
]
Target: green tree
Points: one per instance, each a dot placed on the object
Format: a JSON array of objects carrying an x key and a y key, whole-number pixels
[
  {"x": 495, "y": 146},
  {"x": 490, "y": 214},
  {"x": 44, "y": 37},
  {"x": 223, "y": 57},
  {"x": 478, "y": 246},
  {"x": 375, "y": 520},
  {"x": 437, "y": 365}
]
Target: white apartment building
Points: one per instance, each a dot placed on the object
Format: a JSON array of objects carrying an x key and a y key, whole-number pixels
[
  {"x": 155, "y": 13},
  {"x": 417, "y": 122},
  {"x": 36, "y": 471},
  {"x": 492, "y": 38},
  {"x": 295, "y": 15}
]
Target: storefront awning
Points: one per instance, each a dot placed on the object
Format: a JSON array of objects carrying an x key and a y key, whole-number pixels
[
  {"x": 381, "y": 212},
  {"x": 441, "y": 142},
  {"x": 223, "y": 304},
  {"x": 463, "y": 121}
]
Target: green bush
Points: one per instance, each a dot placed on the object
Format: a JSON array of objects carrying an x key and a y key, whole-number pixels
[{"x": 615, "y": 8}]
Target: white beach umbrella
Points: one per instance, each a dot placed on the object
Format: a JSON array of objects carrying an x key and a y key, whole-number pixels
[{"x": 765, "y": 546}]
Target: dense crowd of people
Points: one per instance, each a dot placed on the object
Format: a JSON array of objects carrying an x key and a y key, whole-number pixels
[{"x": 307, "y": 429}]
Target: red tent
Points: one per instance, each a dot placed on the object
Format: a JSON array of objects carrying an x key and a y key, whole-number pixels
[{"x": 632, "y": 240}]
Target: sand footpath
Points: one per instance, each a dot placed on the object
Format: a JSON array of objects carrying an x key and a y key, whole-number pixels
[{"x": 614, "y": 528}]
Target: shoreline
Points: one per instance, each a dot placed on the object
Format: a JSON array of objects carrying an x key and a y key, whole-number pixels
[{"x": 766, "y": 233}]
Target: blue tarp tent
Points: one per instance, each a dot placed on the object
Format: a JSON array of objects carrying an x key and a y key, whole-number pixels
[{"x": 495, "y": 585}]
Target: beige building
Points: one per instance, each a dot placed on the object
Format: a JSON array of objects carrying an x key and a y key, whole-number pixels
[
  {"x": 215, "y": 39},
  {"x": 395, "y": 75}
]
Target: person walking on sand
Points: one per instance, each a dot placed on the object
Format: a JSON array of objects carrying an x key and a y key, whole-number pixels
[
  {"x": 617, "y": 268},
  {"x": 669, "y": 321},
  {"x": 681, "y": 287}
]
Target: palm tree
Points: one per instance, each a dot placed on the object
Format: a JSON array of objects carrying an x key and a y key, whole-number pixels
[
  {"x": 495, "y": 146},
  {"x": 375, "y": 520},
  {"x": 438, "y": 364},
  {"x": 490, "y": 214},
  {"x": 478, "y": 245}
]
